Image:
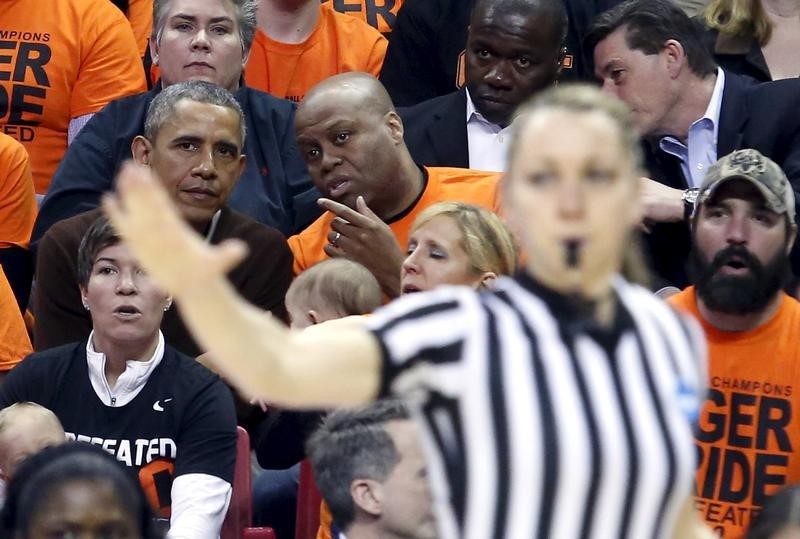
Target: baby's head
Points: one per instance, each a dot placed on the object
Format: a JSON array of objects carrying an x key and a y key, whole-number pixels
[
  {"x": 26, "y": 428},
  {"x": 332, "y": 289}
]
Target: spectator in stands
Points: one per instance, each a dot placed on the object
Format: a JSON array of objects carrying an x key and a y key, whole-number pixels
[
  {"x": 426, "y": 54},
  {"x": 75, "y": 490},
  {"x": 15, "y": 343},
  {"x": 380, "y": 14},
  {"x": 514, "y": 49},
  {"x": 26, "y": 428},
  {"x": 332, "y": 289},
  {"x": 299, "y": 43},
  {"x": 650, "y": 54},
  {"x": 743, "y": 229},
  {"x": 457, "y": 243},
  {"x": 352, "y": 140},
  {"x": 64, "y": 61},
  {"x": 779, "y": 518},
  {"x": 370, "y": 470},
  {"x": 757, "y": 38},
  {"x": 193, "y": 140},
  {"x": 161, "y": 413},
  {"x": 195, "y": 40},
  {"x": 17, "y": 214}
]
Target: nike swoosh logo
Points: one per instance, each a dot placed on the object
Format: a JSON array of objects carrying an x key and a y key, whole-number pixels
[{"x": 157, "y": 405}]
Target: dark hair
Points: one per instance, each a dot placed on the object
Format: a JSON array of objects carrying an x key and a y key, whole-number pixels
[
  {"x": 553, "y": 10},
  {"x": 782, "y": 509},
  {"x": 40, "y": 474},
  {"x": 101, "y": 234},
  {"x": 353, "y": 444},
  {"x": 649, "y": 24},
  {"x": 162, "y": 108}
]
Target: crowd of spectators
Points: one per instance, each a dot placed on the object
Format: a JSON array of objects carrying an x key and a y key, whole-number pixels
[{"x": 359, "y": 150}]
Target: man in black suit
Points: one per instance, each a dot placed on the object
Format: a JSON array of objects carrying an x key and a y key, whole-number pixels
[
  {"x": 425, "y": 58},
  {"x": 514, "y": 49},
  {"x": 689, "y": 112}
]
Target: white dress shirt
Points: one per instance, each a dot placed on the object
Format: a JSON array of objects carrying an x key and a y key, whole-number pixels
[{"x": 488, "y": 143}]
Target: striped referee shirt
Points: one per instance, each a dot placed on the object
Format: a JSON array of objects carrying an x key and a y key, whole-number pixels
[{"x": 539, "y": 424}]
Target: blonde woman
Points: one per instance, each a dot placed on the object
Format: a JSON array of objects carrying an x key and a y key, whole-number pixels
[
  {"x": 758, "y": 38},
  {"x": 459, "y": 244}
]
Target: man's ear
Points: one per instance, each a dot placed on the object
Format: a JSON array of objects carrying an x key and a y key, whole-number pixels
[
  {"x": 242, "y": 165},
  {"x": 395, "y": 126},
  {"x": 367, "y": 496},
  {"x": 675, "y": 56},
  {"x": 141, "y": 150},
  {"x": 562, "y": 54},
  {"x": 791, "y": 239}
]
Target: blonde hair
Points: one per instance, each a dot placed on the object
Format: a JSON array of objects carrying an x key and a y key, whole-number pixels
[
  {"x": 9, "y": 414},
  {"x": 340, "y": 285},
  {"x": 487, "y": 241},
  {"x": 738, "y": 18}
]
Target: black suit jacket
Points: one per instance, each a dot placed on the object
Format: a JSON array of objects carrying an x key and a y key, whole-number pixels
[
  {"x": 764, "y": 116},
  {"x": 435, "y": 130}
]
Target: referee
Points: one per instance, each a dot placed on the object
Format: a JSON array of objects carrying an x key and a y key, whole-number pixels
[{"x": 557, "y": 406}]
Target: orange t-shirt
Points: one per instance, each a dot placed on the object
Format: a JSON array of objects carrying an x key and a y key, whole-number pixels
[
  {"x": 14, "y": 341},
  {"x": 749, "y": 434},
  {"x": 60, "y": 59},
  {"x": 458, "y": 184},
  {"x": 17, "y": 198},
  {"x": 338, "y": 44},
  {"x": 140, "y": 15},
  {"x": 380, "y": 14}
]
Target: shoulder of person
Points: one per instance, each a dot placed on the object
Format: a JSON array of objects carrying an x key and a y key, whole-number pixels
[
  {"x": 72, "y": 229},
  {"x": 183, "y": 371},
  {"x": 429, "y": 106},
  {"x": 258, "y": 236},
  {"x": 59, "y": 358}
]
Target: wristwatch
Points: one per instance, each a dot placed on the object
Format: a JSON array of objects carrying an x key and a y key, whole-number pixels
[{"x": 689, "y": 197}]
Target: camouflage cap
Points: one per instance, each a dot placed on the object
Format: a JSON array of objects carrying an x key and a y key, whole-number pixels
[{"x": 761, "y": 171}]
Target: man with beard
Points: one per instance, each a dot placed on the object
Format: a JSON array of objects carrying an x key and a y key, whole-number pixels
[{"x": 743, "y": 229}]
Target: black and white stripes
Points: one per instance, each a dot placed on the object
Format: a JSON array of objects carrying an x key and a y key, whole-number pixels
[{"x": 539, "y": 424}]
